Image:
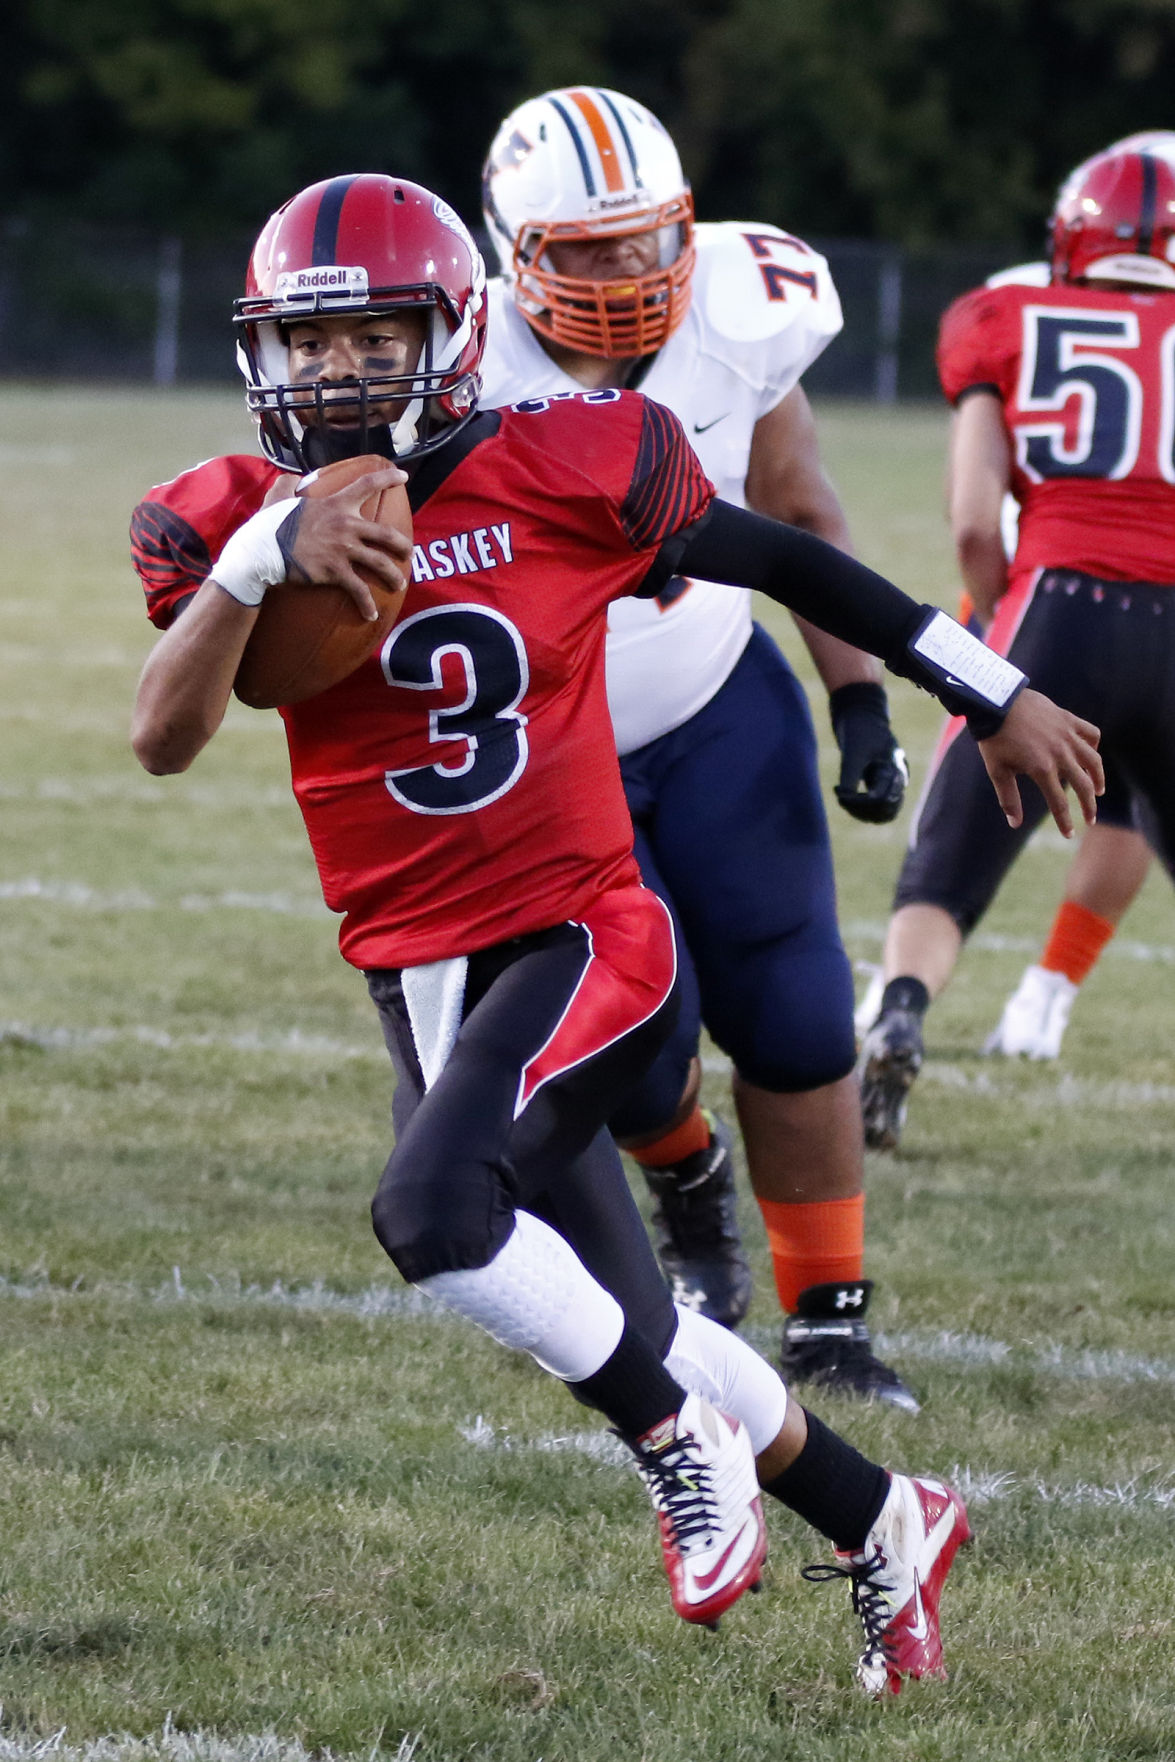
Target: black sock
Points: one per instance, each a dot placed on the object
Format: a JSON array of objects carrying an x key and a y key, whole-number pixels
[
  {"x": 832, "y": 1487},
  {"x": 632, "y": 1387},
  {"x": 905, "y": 993}
]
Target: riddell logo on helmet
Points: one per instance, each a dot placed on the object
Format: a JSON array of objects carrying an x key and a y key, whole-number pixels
[
  {"x": 618, "y": 201},
  {"x": 330, "y": 278}
]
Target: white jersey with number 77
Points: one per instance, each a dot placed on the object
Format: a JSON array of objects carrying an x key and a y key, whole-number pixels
[{"x": 764, "y": 307}]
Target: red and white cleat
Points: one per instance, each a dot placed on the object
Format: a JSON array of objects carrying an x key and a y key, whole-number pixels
[
  {"x": 897, "y": 1580},
  {"x": 699, "y": 1469}
]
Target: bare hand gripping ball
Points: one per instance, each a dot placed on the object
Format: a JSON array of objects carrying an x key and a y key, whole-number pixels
[{"x": 308, "y": 637}]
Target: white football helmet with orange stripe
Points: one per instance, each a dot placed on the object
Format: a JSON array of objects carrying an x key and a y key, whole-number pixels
[{"x": 584, "y": 163}]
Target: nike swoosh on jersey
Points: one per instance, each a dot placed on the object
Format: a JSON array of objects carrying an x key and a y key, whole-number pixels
[{"x": 701, "y": 427}]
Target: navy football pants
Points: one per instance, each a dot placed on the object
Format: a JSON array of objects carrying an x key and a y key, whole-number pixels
[{"x": 730, "y": 830}]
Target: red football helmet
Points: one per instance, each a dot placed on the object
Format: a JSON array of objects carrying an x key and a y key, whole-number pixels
[
  {"x": 349, "y": 245},
  {"x": 1114, "y": 218}
]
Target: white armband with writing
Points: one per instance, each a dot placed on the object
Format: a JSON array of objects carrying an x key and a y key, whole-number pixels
[{"x": 966, "y": 675}]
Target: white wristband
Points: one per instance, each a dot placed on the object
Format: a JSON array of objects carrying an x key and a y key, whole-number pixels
[{"x": 252, "y": 560}]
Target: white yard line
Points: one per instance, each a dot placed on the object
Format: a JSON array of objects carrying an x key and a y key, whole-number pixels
[
  {"x": 15, "y": 453},
  {"x": 1000, "y": 1079},
  {"x": 1129, "y": 1495},
  {"x": 81, "y": 897},
  {"x": 978, "y": 1487},
  {"x": 872, "y": 933},
  {"x": 170, "y": 1745},
  {"x": 1003, "y": 1080},
  {"x": 943, "y": 1346},
  {"x": 298, "y": 1042},
  {"x": 1044, "y": 1358},
  {"x": 1066, "y": 1089},
  {"x": 80, "y": 790}
]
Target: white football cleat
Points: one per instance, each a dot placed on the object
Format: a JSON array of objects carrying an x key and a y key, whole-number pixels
[
  {"x": 897, "y": 1580},
  {"x": 1035, "y": 1016},
  {"x": 699, "y": 1469}
]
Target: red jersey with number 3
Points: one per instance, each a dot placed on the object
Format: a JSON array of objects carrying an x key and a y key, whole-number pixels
[
  {"x": 462, "y": 786},
  {"x": 1086, "y": 377}
]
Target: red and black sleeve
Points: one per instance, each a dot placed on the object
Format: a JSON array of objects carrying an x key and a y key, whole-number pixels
[
  {"x": 667, "y": 495},
  {"x": 179, "y": 528},
  {"x": 170, "y": 557},
  {"x": 668, "y": 489}
]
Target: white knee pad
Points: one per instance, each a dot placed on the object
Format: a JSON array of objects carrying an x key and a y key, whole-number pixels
[
  {"x": 537, "y": 1296},
  {"x": 709, "y": 1360}
]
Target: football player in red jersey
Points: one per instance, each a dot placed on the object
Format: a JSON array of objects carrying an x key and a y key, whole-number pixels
[
  {"x": 1064, "y": 396},
  {"x": 462, "y": 796}
]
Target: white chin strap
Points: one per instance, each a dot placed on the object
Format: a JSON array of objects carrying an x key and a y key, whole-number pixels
[{"x": 404, "y": 433}]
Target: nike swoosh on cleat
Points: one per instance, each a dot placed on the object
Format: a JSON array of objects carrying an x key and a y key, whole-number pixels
[
  {"x": 918, "y": 1627},
  {"x": 705, "y": 1579},
  {"x": 701, "y": 427},
  {"x": 934, "y": 1543}
]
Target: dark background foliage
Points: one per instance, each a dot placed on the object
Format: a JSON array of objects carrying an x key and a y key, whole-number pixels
[{"x": 914, "y": 121}]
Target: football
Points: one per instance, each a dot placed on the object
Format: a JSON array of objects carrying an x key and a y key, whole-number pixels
[{"x": 308, "y": 637}]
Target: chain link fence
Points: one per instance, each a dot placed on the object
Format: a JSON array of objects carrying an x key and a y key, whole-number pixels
[{"x": 80, "y": 302}]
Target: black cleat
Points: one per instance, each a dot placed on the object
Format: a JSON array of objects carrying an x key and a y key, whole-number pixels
[
  {"x": 827, "y": 1344},
  {"x": 695, "y": 1228},
  {"x": 891, "y": 1057}
]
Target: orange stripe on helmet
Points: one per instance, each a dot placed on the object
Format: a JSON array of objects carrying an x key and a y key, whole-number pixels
[{"x": 602, "y": 136}]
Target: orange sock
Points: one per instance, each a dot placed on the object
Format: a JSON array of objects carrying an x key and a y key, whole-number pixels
[
  {"x": 1077, "y": 938},
  {"x": 818, "y": 1243},
  {"x": 692, "y": 1135}
]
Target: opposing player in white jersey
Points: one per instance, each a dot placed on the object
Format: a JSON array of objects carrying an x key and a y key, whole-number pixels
[{"x": 606, "y": 282}]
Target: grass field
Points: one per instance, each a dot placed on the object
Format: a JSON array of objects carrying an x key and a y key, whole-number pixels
[{"x": 255, "y": 1500}]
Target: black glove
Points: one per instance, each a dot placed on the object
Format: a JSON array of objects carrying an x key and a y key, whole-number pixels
[{"x": 873, "y": 769}]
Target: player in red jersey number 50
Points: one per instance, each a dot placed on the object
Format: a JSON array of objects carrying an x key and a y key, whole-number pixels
[{"x": 1062, "y": 395}]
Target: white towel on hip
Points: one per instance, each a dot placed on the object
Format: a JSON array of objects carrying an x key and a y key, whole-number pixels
[{"x": 435, "y": 996}]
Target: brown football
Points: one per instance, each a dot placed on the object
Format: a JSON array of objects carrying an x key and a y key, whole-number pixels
[{"x": 307, "y": 637}]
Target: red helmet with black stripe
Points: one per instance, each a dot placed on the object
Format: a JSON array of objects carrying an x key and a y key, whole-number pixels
[
  {"x": 1114, "y": 218},
  {"x": 351, "y": 245},
  {"x": 585, "y": 163}
]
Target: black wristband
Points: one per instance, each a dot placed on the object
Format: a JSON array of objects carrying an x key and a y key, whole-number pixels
[{"x": 858, "y": 694}]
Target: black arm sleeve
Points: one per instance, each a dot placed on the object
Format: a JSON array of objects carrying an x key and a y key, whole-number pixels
[
  {"x": 803, "y": 573},
  {"x": 825, "y": 586}
]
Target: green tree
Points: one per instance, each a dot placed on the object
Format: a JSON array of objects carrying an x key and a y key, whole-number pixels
[
  {"x": 909, "y": 120},
  {"x": 918, "y": 120}
]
